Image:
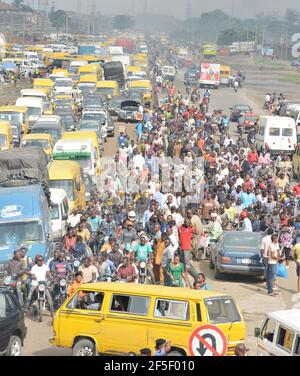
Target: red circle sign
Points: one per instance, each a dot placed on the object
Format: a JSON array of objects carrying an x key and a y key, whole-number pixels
[{"x": 207, "y": 340}]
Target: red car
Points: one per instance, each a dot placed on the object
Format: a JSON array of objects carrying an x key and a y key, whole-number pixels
[{"x": 248, "y": 121}]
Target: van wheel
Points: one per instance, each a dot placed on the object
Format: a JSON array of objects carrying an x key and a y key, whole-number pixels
[
  {"x": 84, "y": 347},
  {"x": 175, "y": 353},
  {"x": 211, "y": 264},
  {"x": 14, "y": 346}
]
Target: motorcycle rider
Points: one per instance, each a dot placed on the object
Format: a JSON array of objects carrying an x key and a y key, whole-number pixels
[
  {"x": 40, "y": 272},
  {"x": 126, "y": 271},
  {"x": 206, "y": 95},
  {"x": 236, "y": 85},
  {"x": 60, "y": 270},
  {"x": 16, "y": 270}
]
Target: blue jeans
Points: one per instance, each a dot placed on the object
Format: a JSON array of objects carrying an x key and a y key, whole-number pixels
[
  {"x": 271, "y": 273},
  {"x": 265, "y": 260}
]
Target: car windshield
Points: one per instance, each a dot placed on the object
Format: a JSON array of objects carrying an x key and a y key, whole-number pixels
[
  {"x": 115, "y": 102},
  {"x": 63, "y": 102},
  {"x": 34, "y": 111},
  {"x": 66, "y": 185},
  {"x": 3, "y": 140},
  {"x": 222, "y": 310},
  {"x": 251, "y": 118},
  {"x": 53, "y": 132},
  {"x": 93, "y": 116},
  {"x": 20, "y": 232},
  {"x": 13, "y": 117},
  {"x": 105, "y": 90},
  {"x": 240, "y": 241},
  {"x": 63, "y": 83},
  {"x": 40, "y": 143},
  {"x": 86, "y": 86},
  {"x": 54, "y": 213},
  {"x": 242, "y": 108}
]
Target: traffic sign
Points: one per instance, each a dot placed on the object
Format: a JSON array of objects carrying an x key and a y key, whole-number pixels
[{"x": 207, "y": 340}]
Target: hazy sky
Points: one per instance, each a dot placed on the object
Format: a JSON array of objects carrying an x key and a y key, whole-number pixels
[{"x": 242, "y": 8}]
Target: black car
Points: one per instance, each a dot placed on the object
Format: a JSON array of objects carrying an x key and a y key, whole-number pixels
[
  {"x": 110, "y": 126},
  {"x": 12, "y": 326},
  {"x": 69, "y": 121},
  {"x": 238, "y": 111},
  {"x": 238, "y": 252},
  {"x": 128, "y": 111},
  {"x": 114, "y": 105}
]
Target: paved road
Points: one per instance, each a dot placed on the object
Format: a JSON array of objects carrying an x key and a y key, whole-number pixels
[{"x": 249, "y": 293}]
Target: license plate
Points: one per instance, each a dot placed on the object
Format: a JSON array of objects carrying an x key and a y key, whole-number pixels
[{"x": 244, "y": 261}]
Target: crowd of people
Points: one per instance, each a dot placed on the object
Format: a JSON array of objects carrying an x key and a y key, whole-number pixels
[{"x": 170, "y": 195}]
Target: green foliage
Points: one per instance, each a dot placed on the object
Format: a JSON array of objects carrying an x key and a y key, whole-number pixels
[
  {"x": 122, "y": 22},
  {"x": 57, "y": 18}
]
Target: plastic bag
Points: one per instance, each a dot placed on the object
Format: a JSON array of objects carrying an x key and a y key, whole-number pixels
[{"x": 282, "y": 271}]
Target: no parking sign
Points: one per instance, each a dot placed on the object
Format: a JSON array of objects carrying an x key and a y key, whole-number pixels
[{"x": 207, "y": 340}]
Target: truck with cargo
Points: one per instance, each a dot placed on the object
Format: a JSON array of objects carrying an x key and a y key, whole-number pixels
[
  {"x": 114, "y": 71},
  {"x": 24, "y": 204},
  {"x": 210, "y": 75},
  {"x": 126, "y": 43},
  {"x": 125, "y": 60},
  {"x": 244, "y": 47}
]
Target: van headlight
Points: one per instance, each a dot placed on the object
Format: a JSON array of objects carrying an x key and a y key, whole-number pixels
[
  {"x": 7, "y": 281},
  {"x": 143, "y": 265},
  {"x": 63, "y": 283},
  {"x": 76, "y": 264},
  {"x": 42, "y": 287}
]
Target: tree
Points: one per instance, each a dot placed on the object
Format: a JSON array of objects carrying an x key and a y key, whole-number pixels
[
  {"x": 18, "y": 3},
  {"x": 57, "y": 18},
  {"x": 122, "y": 22}
]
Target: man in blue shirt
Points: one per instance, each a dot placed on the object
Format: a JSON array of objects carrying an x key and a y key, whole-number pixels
[{"x": 248, "y": 198}]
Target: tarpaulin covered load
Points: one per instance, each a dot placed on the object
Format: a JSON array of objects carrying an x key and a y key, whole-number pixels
[{"x": 24, "y": 167}]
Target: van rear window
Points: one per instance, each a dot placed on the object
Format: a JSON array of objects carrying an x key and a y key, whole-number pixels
[
  {"x": 274, "y": 131},
  {"x": 287, "y": 132},
  {"x": 222, "y": 310}
]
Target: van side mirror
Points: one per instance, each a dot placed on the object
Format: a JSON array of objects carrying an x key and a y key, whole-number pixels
[
  {"x": 65, "y": 217},
  {"x": 256, "y": 332},
  {"x": 78, "y": 186}
]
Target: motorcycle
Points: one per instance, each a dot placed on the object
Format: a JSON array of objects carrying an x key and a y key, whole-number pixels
[
  {"x": 60, "y": 292},
  {"x": 11, "y": 283},
  {"x": 39, "y": 303},
  {"x": 145, "y": 274},
  {"x": 235, "y": 88}
]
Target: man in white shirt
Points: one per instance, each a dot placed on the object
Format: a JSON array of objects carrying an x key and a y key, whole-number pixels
[
  {"x": 266, "y": 241},
  {"x": 247, "y": 225},
  {"x": 40, "y": 272},
  {"x": 74, "y": 218},
  {"x": 138, "y": 161}
]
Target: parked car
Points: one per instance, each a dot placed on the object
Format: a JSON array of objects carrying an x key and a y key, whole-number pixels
[
  {"x": 238, "y": 111},
  {"x": 237, "y": 252},
  {"x": 12, "y": 326}
]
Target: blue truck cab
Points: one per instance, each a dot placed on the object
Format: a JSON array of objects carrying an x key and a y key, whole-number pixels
[{"x": 24, "y": 221}]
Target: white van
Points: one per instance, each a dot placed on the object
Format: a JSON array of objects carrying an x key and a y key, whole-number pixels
[
  {"x": 276, "y": 134},
  {"x": 279, "y": 334},
  {"x": 59, "y": 213},
  {"x": 80, "y": 151},
  {"x": 63, "y": 85},
  {"x": 35, "y": 108}
]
